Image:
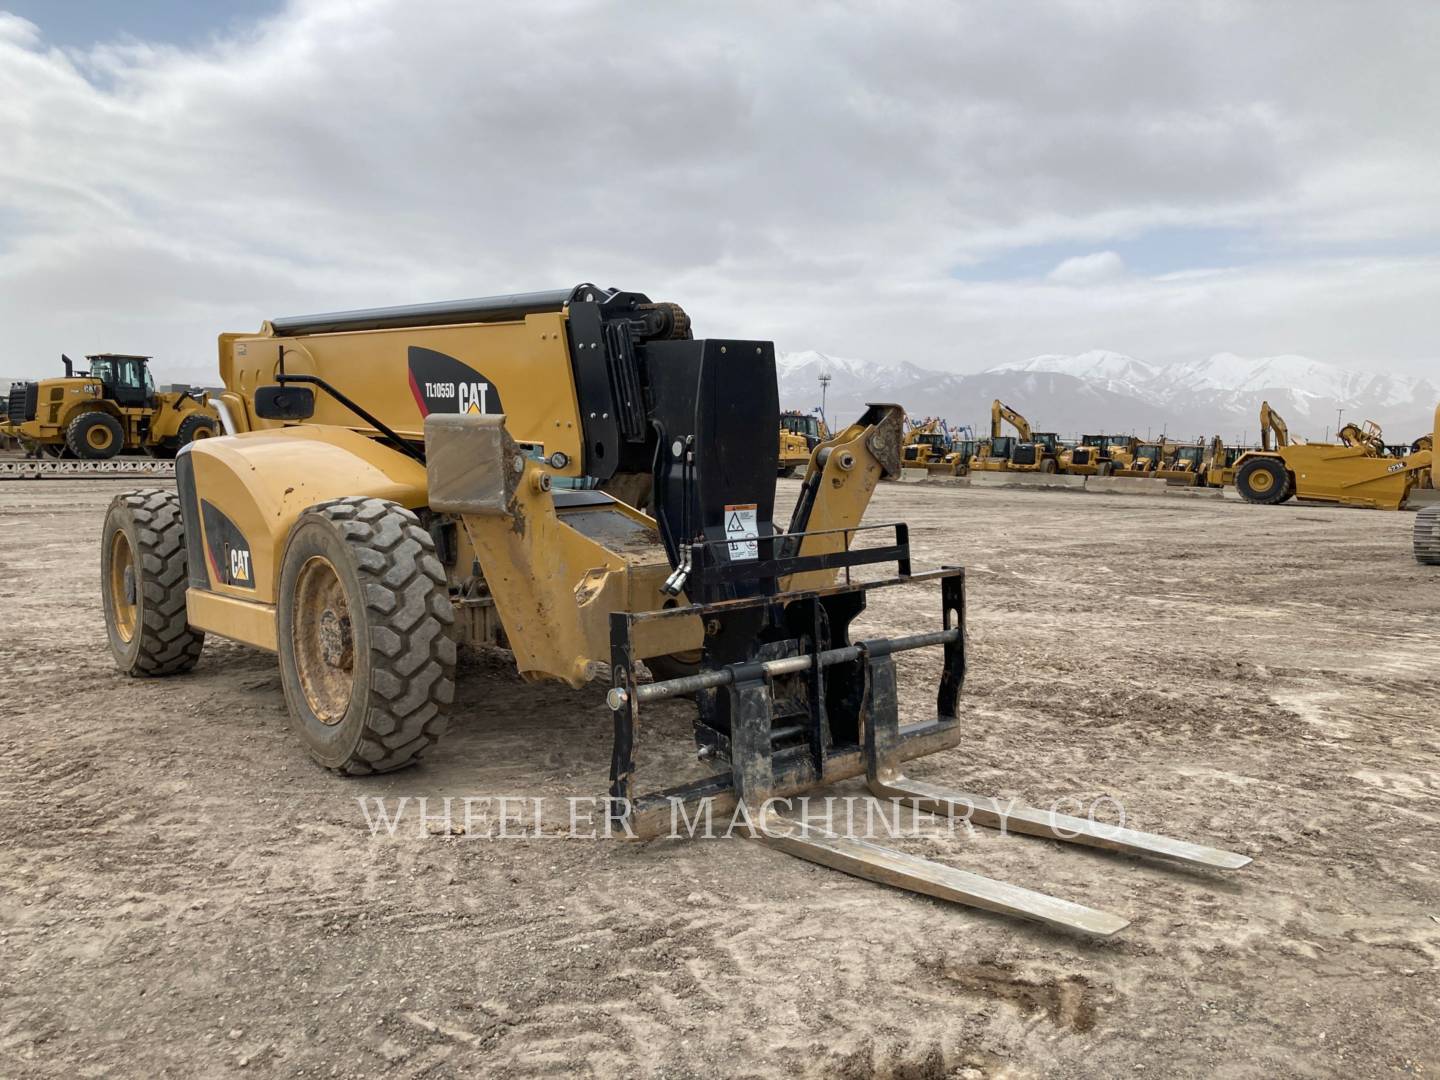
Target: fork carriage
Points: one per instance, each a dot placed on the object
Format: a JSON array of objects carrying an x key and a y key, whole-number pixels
[{"x": 811, "y": 707}]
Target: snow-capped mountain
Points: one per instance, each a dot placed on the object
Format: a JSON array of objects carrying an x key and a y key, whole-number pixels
[{"x": 1101, "y": 390}]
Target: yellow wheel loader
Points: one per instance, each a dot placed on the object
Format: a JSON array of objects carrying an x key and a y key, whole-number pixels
[
  {"x": 1089, "y": 457},
  {"x": 1145, "y": 460},
  {"x": 1041, "y": 452},
  {"x": 1183, "y": 465},
  {"x": 1348, "y": 475},
  {"x": 931, "y": 446},
  {"x": 800, "y": 433},
  {"x": 571, "y": 475},
  {"x": 110, "y": 409}
]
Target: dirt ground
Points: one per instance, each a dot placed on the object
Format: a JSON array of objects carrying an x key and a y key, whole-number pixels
[{"x": 183, "y": 894}]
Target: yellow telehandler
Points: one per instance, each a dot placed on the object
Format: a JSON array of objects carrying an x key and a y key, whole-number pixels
[
  {"x": 109, "y": 409},
  {"x": 1348, "y": 475},
  {"x": 480, "y": 471}
]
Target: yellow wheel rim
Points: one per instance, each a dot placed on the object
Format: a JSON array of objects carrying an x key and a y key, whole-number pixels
[
  {"x": 201, "y": 432},
  {"x": 99, "y": 437},
  {"x": 124, "y": 586},
  {"x": 1261, "y": 481},
  {"x": 323, "y": 643}
]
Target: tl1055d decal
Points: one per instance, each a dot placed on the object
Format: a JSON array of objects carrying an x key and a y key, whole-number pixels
[
  {"x": 227, "y": 549},
  {"x": 442, "y": 384}
]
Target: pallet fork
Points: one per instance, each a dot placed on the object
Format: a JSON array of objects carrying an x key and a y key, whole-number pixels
[{"x": 812, "y": 708}]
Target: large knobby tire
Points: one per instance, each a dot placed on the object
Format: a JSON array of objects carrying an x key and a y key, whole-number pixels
[
  {"x": 1105, "y": 468},
  {"x": 197, "y": 425},
  {"x": 143, "y": 577},
  {"x": 1427, "y": 535},
  {"x": 95, "y": 436},
  {"x": 1264, "y": 480},
  {"x": 365, "y": 659},
  {"x": 1048, "y": 465}
]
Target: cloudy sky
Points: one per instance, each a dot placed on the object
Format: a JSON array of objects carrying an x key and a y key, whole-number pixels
[{"x": 954, "y": 184}]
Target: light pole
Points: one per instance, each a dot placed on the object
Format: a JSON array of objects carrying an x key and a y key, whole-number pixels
[{"x": 824, "y": 387}]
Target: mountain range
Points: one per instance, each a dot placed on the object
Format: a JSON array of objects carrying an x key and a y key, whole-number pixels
[{"x": 1102, "y": 391}]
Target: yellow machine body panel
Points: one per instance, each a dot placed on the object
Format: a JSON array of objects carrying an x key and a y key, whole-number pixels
[
  {"x": 402, "y": 375},
  {"x": 1349, "y": 475},
  {"x": 794, "y": 451},
  {"x": 251, "y": 488}
]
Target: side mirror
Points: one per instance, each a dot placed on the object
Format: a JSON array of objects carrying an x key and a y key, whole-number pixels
[{"x": 284, "y": 402}]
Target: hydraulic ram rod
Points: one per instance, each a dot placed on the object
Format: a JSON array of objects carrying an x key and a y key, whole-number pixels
[{"x": 789, "y": 665}]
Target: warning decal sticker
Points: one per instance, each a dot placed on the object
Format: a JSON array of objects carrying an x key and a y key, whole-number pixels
[{"x": 741, "y": 530}]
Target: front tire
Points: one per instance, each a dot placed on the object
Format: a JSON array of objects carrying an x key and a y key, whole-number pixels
[
  {"x": 143, "y": 577},
  {"x": 95, "y": 436},
  {"x": 365, "y": 659},
  {"x": 195, "y": 426},
  {"x": 1264, "y": 481}
]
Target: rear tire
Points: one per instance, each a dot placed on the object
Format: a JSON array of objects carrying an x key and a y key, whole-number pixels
[
  {"x": 95, "y": 436},
  {"x": 1264, "y": 481},
  {"x": 143, "y": 578},
  {"x": 1048, "y": 465},
  {"x": 1105, "y": 468},
  {"x": 1427, "y": 535},
  {"x": 365, "y": 659}
]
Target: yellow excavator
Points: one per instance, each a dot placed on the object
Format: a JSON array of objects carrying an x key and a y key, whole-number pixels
[
  {"x": 573, "y": 476},
  {"x": 997, "y": 453},
  {"x": 1348, "y": 475}
]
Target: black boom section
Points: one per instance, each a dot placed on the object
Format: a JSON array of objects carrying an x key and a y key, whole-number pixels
[
  {"x": 508, "y": 308},
  {"x": 715, "y": 410}
]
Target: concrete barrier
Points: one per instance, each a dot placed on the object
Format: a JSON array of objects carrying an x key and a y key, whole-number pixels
[
  {"x": 1422, "y": 497},
  {"x": 1126, "y": 485},
  {"x": 1194, "y": 492},
  {"x": 913, "y": 476},
  {"x": 1026, "y": 479}
]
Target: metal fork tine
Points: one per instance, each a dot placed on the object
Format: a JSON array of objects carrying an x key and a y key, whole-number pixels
[
  {"x": 901, "y": 870},
  {"x": 1026, "y": 819}
]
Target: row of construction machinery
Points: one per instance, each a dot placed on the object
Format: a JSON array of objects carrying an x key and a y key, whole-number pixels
[
  {"x": 572, "y": 476},
  {"x": 109, "y": 409},
  {"x": 1361, "y": 469}
]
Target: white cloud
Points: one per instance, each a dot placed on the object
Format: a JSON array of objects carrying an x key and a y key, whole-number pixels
[
  {"x": 809, "y": 174},
  {"x": 1089, "y": 269}
]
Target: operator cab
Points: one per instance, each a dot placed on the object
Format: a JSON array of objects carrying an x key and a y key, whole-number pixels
[
  {"x": 802, "y": 424},
  {"x": 126, "y": 379}
]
